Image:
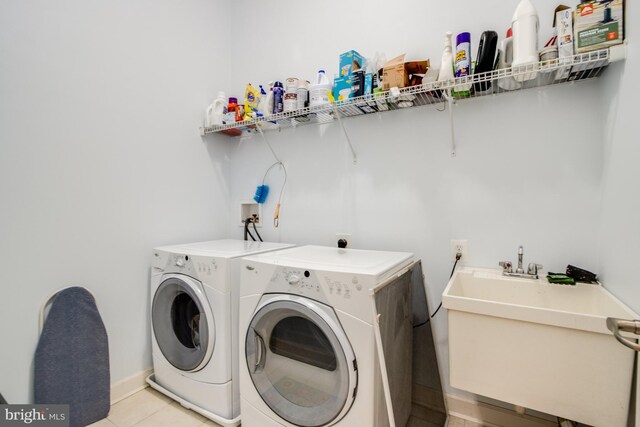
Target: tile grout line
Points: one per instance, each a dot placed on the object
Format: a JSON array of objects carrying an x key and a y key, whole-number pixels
[
  {"x": 154, "y": 412},
  {"x": 144, "y": 390}
]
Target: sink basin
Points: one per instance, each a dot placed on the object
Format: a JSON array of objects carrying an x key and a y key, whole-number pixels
[{"x": 539, "y": 345}]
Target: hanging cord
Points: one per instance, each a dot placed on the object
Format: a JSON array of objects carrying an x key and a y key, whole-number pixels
[
  {"x": 266, "y": 141},
  {"x": 458, "y": 256},
  {"x": 246, "y": 230},
  {"x": 276, "y": 214},
  {"x": 253, "y": 221}
]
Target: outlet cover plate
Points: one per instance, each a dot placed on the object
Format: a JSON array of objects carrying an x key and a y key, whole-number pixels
[
  {"x": 346, "y": 237},
  {"x": 461, "y": 246},
  {"x": 248, "y": 209}
]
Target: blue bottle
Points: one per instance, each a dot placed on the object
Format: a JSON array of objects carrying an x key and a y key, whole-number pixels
[{"x": 278, "y": 95}]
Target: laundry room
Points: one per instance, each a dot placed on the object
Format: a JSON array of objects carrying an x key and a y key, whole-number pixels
[{"x": 141, "y": 142}]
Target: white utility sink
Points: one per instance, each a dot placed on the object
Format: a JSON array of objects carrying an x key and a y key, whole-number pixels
[{"x": 539, "y": 345}]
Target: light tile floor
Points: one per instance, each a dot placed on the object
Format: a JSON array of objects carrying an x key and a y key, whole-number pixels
[
  {"x": 453, "y": 422},
  {"x": 148, "y": 408}
]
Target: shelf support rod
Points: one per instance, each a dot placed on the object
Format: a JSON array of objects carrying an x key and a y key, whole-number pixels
[
  {"x": 275, "y": 156},
  {"x": 450, "y": 103},
  {"x": 346, "y": 135}
]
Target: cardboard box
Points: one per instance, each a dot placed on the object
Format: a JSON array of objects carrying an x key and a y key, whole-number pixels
[
  {"x": 598, "y": 25},
  {"x": 351, "y": 61},
  {"x": 397, "y": 73},
  {"x": 563, "y": 22},
  {"x": 342, "y": 88}
]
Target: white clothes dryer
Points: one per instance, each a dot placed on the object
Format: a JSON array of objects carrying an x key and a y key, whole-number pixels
[
  {"x": 194, "y": 324},
  {"x": 307, "y": 343}
]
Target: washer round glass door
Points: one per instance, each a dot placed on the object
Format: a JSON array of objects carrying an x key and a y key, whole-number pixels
[
  {"x": 300, "y": 360},
  {"x": 182, "y": 326}
]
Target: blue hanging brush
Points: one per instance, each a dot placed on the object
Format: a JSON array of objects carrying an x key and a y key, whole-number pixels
[{"x": 261, "y": 193}]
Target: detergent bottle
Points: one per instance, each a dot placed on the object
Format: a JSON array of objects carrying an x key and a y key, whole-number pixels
[
  {"x": 216, "y": 111},
  {"x": 319, "y": 90},
  {"x": 525, "y": 41},
  {"x": 504, "y": 60}
]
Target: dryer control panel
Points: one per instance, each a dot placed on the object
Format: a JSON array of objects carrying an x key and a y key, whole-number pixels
[
  {"x": 298, "y": 281},
  {"x": 316, "y": 284}
]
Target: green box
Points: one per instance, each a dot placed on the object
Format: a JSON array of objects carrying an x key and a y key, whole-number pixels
[{"x": 598, "y": 25}]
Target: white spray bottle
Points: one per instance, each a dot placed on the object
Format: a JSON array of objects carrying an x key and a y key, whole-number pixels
[
  {"x": 446, "y": 65},
  {"x": 266, "y": 101}
]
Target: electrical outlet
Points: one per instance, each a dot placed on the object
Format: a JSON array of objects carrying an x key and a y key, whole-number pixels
[
  {"x": 460, "y": 246},
  {"x": 248, "y": 210},
  {"x": 346, "y": 237}
]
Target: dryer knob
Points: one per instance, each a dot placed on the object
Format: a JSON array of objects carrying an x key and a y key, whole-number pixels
[
  {"x": 293, "y": 279},
  {"x": 180, "y": 262}
]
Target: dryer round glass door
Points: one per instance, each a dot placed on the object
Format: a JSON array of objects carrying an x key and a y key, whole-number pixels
[
  {"x": 182, "y": 325},
  {"x": 300, "y": 360}
]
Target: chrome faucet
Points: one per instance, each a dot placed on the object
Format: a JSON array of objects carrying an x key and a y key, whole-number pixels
[
  {"x": 532, "y": 269},
  {"x": 520, "y": 270}
]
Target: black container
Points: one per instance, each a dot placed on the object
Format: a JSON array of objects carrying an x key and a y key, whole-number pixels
[
  {"x": 485, "y": 58},
  {"x": 357, "y": 85}
]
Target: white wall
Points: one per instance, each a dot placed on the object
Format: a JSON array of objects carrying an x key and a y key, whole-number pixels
[
  {"x": 526, "y": 172},
  {"x": 100, "y": 160},
  {"x": 620, "y": 239}
]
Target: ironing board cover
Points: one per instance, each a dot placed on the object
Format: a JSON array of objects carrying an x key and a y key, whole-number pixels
[{"x": 72, "y": 358}]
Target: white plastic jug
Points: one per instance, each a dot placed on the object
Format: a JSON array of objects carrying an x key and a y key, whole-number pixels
[
  {"x": 215, "y": 111},
  {"x": 525, "y": 25},
  {"x": 319, "y": 90},
  {"x": 505, "y": 59}
]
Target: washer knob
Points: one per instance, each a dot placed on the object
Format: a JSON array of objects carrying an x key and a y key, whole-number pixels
[
  {"x": 180, "y": 262},
  {"x": 293, "y": 279}
]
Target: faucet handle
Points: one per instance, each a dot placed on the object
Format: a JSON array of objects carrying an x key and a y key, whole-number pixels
[
  {"x": 534, "y": 268},
  {"x": 506, "y": 266}
]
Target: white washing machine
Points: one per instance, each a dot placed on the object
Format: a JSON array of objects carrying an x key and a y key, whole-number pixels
[
  {"x": 194, "y": 324},
  {"x": 307, "y": 345}
]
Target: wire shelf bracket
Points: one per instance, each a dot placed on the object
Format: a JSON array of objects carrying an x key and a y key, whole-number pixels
[
  {"x": 450, "y": 103},
  {"x": 346, "y": 136}
]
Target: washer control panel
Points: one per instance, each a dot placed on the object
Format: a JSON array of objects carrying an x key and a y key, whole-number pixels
[{"x": 176, "y": 263}]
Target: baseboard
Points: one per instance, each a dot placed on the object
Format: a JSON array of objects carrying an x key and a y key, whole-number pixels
[
  {"x": 130, "y": 385},
  {"x": 492, "y": 416}
]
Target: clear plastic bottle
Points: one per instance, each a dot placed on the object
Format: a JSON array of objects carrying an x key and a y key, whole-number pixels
[
  {"x": 262, "y": 104},
  {"x": 446, "y": 64}
]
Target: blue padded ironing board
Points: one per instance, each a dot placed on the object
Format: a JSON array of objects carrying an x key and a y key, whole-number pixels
[{"x": 72, "y": 358}]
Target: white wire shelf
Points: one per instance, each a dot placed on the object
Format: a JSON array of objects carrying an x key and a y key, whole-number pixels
[{"x": 545, "y": 73}]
